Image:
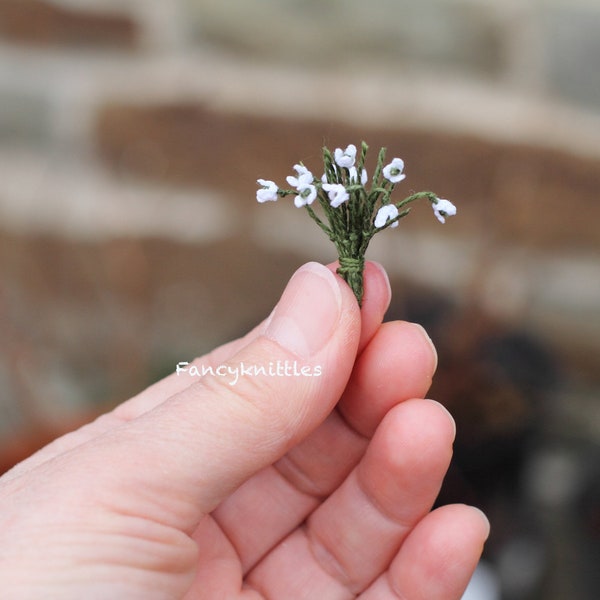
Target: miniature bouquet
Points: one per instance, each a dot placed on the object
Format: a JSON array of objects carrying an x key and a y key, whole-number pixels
[{"x": 352, "y": 213}]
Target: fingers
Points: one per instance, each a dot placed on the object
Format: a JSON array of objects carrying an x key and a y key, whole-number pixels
[
  {"x": 391, "y": 489},
  {"x": 437, "y": 559},
  {"x": 252, "y": 517},
  {"x": 398, "y": 363},
  {"x": 383, "y": 499},
  {"x": 376, "y": 300}
]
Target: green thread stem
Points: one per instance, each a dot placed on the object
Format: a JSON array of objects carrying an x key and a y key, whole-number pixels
[{"x": 318, "y": 221}]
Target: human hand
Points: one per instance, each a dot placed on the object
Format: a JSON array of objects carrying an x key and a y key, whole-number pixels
[{"x": 280, "y": 487}]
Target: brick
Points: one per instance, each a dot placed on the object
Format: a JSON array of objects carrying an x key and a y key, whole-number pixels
[
  {"x": 571, "y": 38},
  {"x": 24, "y": 116},
  {"x": 518, "y": 194},
  {"x": 42, "y": 23},
  {"x": 432, "y": 32}
]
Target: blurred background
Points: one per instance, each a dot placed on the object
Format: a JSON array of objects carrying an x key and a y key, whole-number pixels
[{"x": 132, "y": 133}]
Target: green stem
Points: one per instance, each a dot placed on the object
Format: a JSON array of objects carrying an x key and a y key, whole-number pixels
[{"x": 318, "y": 221}]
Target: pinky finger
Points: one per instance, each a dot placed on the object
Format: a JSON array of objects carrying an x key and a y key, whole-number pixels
[{"x": 437, "y": 559}]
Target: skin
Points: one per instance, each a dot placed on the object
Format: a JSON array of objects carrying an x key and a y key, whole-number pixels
[{"x": 277, "y": 487}]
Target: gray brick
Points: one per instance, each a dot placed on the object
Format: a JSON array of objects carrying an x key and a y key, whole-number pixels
[{"x": 572, "y": 52}]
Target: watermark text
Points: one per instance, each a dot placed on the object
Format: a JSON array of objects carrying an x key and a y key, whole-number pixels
[{"x": 233, "y": 372}]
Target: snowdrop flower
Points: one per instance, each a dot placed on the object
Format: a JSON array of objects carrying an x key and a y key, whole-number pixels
[
  {"x": 267, "y": 192},
  {"x": 337, "y": 193},
  {"x": 307, "y": 192},
  {"x": 354, "y": 176},
  {"x": 304, "y": 177},
  {"x": 386, "y": 213},
  {"x": 345, "y": 158},
  {"x": 443, "y": 208},
  {"x": 393, "y": 171}
]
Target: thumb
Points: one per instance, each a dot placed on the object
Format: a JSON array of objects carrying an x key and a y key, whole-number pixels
[{"x": 195, "y": 448}]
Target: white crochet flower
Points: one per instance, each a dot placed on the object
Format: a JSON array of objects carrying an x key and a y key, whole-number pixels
[
  {"x": 267, "y": 192},
  {"x": 443, "y": 208},
  {"x": 306, "y": 195},
  {"x": 393, "y": 171},
  {"x": 384, "y": 214},
  {"x": 304, "y": 177},
  {"x": 345, "y": 158},
  {"x": 337, "y": 193}
]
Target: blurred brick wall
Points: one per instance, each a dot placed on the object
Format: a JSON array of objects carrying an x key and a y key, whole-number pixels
[{"x": 132, "y": 132}]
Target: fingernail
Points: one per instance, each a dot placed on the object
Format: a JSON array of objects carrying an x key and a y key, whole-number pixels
[
  {"x": 450, "y": 417},
  {"x": 309, "y": 309},
  {"x": 431, "y": 344},
  {"x": 384, "y": 276},
  {"x": 485, "y": 520}
]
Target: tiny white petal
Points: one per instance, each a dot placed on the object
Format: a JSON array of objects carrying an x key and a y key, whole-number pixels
[
  {"x": 443, "y": 208},
  {"x": 307, "y": 194},
  {"x": 345, "y": 158},
  {"x": 354, "y": 175},
  {"x": 304, "y": 177},
  {"x": 301, "y": 170},
  {"x": 337, "y": 193},
  {"x": 384, "y": 214},
  {"x": 267, "y": 192},
  {"x": 393, "y": 171}
]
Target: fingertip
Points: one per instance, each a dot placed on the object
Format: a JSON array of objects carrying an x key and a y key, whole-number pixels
[
  {"x": 439, "y": 557},
  {"x": 308, "y": 311},
  {"x": 376, "y": 299},
  {"x": 397, "y": 364},
  {"x": 429, "y": 341},
  {"x": 441, "y": 408},
  {"x": 401, "y": 342},
  {"x": 377, "y": 284},
  {"x": 485, "y": 522}
]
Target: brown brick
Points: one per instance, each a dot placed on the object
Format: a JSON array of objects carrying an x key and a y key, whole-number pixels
[
  {"x": 42, "y": 23},
  {"x": 513, "y": 194}
]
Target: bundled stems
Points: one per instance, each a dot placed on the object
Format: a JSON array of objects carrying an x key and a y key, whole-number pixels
[{"x": 351, "y": 214}]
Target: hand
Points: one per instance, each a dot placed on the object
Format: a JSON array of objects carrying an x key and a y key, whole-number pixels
[{"x": 317, "y": 485}]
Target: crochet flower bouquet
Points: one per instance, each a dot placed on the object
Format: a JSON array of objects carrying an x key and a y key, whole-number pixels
[{"x": 351, "y": 212}]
